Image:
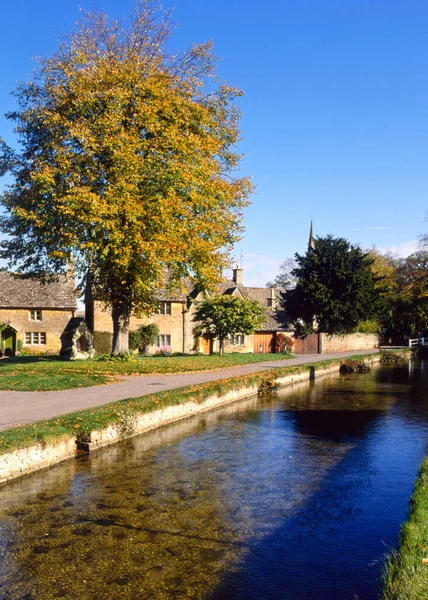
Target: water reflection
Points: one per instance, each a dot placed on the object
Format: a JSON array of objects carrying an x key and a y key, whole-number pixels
[{"x": 291, "y": 496}]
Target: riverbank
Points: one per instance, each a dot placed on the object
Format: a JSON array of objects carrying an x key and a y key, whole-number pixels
[
  {"x": 406, "y": 576},
  {"x": 42, "y": 444}
]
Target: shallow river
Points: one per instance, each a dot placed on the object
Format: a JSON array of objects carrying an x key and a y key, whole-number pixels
[{"x": 297, "y": 495}]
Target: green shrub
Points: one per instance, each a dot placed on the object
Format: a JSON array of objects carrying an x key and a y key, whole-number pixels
[
  {"x": 145, "y": 336},
  {"x": 103, "y": 342},
  {"x": 121, "y": 357},
  {"x": 370, "y": 326},
  {"x": 19, "y": 345}
]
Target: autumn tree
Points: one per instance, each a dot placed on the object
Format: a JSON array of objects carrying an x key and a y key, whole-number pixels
[
  {"x": 409, "y": 314},
  {"x": 335, "y": 288},
  {"x": 227, "y": 315},
  {"x": 126, "y": 163}
]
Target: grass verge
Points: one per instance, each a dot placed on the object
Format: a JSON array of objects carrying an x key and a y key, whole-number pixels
[
  {"x": 51, "y": 374},
  {"x": 406, "y": 574},
  {"x": 82, "y": 422}
]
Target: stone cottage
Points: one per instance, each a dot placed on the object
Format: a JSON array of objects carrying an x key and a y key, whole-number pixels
[
  {"x": 174, "y": 318},
  {"x": 34, "y": 315}
]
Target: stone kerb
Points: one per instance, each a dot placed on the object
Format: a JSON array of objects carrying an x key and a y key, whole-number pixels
[{"x": 34, "y": 458}]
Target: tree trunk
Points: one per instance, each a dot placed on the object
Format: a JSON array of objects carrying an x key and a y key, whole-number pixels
[
  {"x": 121, "y": 316},
  {"x": 221, "y": 345}
]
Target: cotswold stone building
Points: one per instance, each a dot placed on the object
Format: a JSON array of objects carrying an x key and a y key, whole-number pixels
[
  {"x": 34, "y": 315},
  {"x": 174, "y": 318}
]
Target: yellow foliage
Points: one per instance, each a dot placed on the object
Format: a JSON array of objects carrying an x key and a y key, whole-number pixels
[{"x": 129, "y": 161}]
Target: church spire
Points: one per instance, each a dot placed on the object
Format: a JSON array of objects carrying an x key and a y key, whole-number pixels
[{"x": 311, "y": 243}]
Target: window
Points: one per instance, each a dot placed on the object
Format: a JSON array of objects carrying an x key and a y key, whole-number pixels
[
  {"x": 237, "y": 339},
  {"x": 35, "y": 338},
  {"x": 164, "y": 340},
  {"x": 164, "y": 308},
  {"x": 35, "y": 315}
]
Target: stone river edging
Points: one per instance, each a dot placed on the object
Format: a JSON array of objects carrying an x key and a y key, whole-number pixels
[{"x": 46, "y": 454}]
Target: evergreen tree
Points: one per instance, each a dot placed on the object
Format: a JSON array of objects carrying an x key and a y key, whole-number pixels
[{"x": 335, "y": 290}]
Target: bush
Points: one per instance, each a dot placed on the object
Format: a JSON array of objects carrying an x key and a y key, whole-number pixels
[
  {"x": 283, "y": 343},
  {"x": 103, "y": 342},
  {"x": 19, "y": 346},
  {"x": 354, "y": 366},
  {"x": 145, "y": 336},
  {"x": 121, "y": 357},
  {"x": 389, "y": 357},
  {"x": 370, "y": 326},
  {"x": 267, "y": 386},
  {"x": 26, "y": 351}
]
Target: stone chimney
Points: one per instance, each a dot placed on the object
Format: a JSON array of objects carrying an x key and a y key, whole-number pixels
[
  {"x": 237, "y": 275},
  {"x": 272, "y": 297}
]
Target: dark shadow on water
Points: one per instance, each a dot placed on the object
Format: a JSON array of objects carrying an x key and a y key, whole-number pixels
[{"x": 333, "y": 547}]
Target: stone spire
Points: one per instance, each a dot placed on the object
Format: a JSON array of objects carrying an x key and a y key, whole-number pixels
[{"x": 311, "y": 243}]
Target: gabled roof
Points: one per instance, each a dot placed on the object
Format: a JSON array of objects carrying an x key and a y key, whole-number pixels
[
  {"x": 264, "y": 296},
  {"x": 17, "y": 291}
]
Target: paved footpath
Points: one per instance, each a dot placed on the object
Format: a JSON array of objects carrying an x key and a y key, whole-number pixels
[{"x": 19, "y": 408}]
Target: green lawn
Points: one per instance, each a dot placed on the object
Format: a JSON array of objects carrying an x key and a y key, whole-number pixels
[
  {"x": 30, "y": 373},
  {"x": 406, "y": 576}
]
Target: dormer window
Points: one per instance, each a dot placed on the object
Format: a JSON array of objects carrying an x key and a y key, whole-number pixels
[{"x": 35, "y": 315}]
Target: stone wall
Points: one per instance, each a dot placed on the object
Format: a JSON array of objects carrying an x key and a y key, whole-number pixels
[
  {"x": 34, "y": 458},
  {"x": 348, "y": 343},
  {"x": 53, "y": 323}
]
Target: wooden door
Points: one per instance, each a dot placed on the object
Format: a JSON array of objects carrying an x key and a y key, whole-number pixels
[
  {"x": 207, "y": 343},
  {"x": 264, "y": 343},
  {"x": 307, "y": 345}
]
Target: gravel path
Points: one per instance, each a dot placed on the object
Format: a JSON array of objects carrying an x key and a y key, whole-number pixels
[{"x": 19, "y": 408}]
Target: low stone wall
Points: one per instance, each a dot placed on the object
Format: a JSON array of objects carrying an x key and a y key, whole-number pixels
[
  {"x": 348, "y": 343},
  {"x": 34, "y": 458},
  {"x": 44, "y": 455}
]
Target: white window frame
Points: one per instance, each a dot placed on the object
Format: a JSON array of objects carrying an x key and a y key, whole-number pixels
[
  {"x": 237, "y": 339},
  {"x": 164, "y": 339},
  {"x": 35, "y": 338},
  {"x": 36, "y": 315}
]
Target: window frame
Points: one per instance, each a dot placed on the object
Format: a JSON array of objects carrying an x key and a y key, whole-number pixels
[
  {"x": 237, "y": 339},
  {"x": 36, "y": 315},
  {"x": 164, "y": 308},
  {"x": 35, "y": 338},
  {"x": 164, "y": 343}
]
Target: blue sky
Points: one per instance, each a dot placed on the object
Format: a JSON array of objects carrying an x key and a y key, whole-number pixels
[{"x": 335, "y": 112}]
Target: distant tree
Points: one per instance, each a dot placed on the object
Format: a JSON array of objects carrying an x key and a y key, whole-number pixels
[
  {"x": 336, "y": 288},
  {"x": 127, "y": 162},
  {"x": 227, "y": 315},
  {"x": 285, "y": 278},
  {"x": 409, "y": 314}
]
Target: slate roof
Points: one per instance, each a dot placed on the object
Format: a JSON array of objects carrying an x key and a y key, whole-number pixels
[
  {"x": 19, "y": 292},
  {"x": 263, "y": 295}
]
